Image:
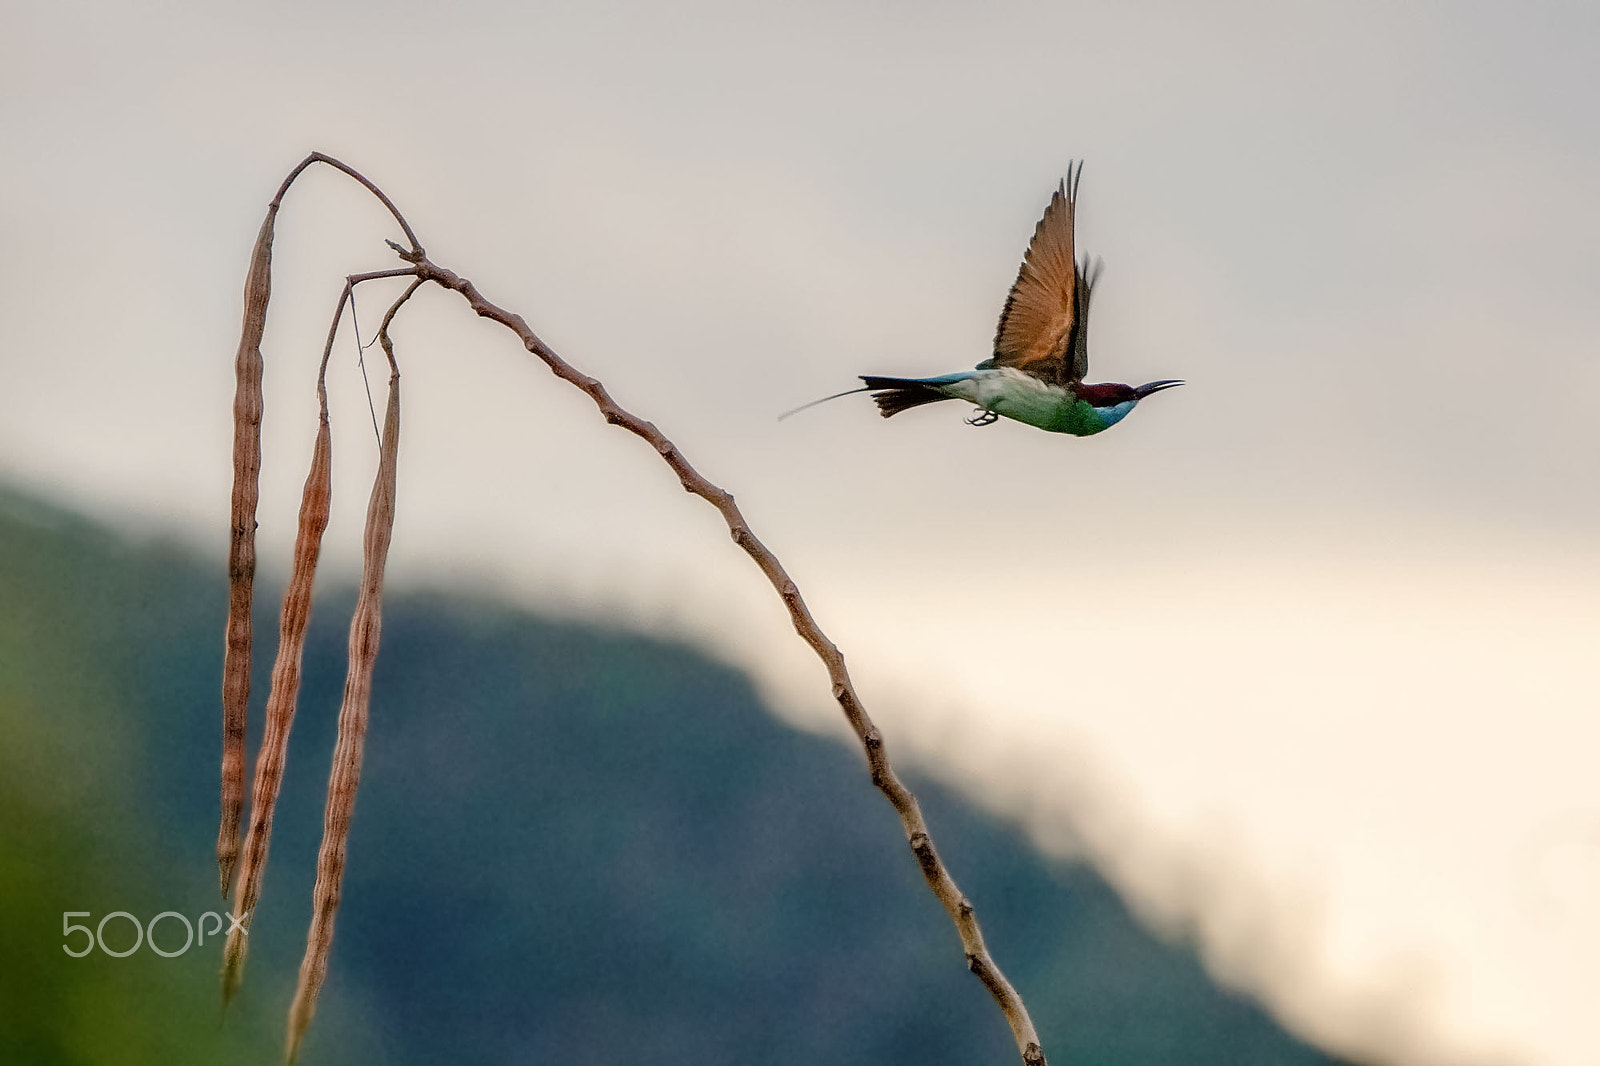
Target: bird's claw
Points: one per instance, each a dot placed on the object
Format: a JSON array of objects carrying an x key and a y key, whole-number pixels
[{"x": 983, "y": 417}]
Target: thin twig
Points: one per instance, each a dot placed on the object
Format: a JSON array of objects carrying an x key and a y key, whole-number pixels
[
  {"x": 383, "y": 327},
  {"x": 361, "y": 361},
  {"x": 319, "y": 157},
  {"x": 979, "y": 961},
  {"x": 350, "y": 284},
  {"x": 345, "y": 295}
]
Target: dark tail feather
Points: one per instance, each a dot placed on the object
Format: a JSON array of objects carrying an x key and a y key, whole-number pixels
[{"x": 894, "y": 395}]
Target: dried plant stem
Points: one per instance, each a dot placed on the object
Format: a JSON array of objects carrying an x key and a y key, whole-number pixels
[
  {"x": 365, "y": 628},
  {"x": 979, "y": 961},
  {"x": 247, "y": 406},
  {"x": 364, "y": 635}
]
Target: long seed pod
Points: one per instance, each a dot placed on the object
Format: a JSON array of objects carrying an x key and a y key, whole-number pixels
[
  {"x": 242, "y": 544},
  {"x": 314, "y": 507},
  {"x": 365, "y": 625}
]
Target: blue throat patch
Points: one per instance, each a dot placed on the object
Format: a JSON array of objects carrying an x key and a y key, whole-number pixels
[{"x": 1115, "y": 413}]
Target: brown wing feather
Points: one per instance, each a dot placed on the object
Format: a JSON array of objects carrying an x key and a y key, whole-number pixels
[
  {"x": 1035, "y": 331},
  {"x": 1088, "y": 274}
]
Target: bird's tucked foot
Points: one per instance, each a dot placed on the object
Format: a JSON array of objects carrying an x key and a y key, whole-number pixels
[{"x": 982, "y": 416}]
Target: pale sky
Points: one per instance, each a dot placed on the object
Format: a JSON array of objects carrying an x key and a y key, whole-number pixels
[{"x": 1300, "y": 654}]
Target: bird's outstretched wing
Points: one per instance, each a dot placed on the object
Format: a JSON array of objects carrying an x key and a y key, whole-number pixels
[{"x": 1040, "y": 329}]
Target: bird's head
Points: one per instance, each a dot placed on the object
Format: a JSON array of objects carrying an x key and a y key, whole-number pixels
[{"x": 1113, "y": 401}]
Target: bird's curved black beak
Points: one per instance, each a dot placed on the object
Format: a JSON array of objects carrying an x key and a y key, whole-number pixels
[{"x": 1142, "y": 391}]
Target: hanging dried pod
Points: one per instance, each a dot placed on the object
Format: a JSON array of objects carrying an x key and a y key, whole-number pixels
[
  {"x": 242, "y": 544},
  {"x": 365, "y": 625},
  {"x": 315, "y": 503}
]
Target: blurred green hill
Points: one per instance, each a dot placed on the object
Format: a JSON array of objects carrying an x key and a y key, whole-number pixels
[{"x": 572, "y": 845}]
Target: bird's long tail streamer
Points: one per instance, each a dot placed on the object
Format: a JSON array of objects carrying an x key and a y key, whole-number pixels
[{"x": 825, "y": 399}]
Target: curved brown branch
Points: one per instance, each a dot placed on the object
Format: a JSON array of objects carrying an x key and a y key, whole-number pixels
[
  {"x": 979, "y": 961},
  {"x": 318, "y": 157}
]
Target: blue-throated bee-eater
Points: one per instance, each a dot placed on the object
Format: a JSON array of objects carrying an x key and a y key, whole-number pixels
[{"x": 1041, "y": 348}]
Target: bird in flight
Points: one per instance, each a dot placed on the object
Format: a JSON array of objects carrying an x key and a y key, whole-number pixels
[{"x": 1041, "y": 348}]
